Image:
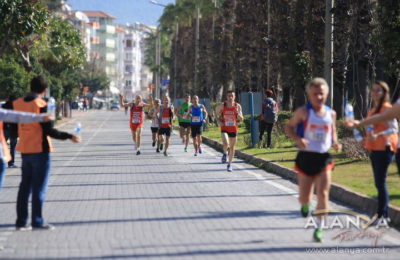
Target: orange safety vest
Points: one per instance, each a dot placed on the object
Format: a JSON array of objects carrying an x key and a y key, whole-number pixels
[
  {"x": 30, "y": 135},
  {"x": 380, "y": 143},
  {"x": 6, "y": 152}
]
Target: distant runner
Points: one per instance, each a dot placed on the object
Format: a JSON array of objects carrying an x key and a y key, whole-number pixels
[
  {"x": 198, "y": 114},
  {"x": 136, "y": 119},
  {"x": 155, "y": 124},
  {"x": 313, "y": 128},
  {"x": 165, "y": 116},
  {"x": 228, "y": 115},
  {"x": 184, "y": 121}
]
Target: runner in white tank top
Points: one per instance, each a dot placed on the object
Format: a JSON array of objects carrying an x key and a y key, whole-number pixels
[{"x": 316, "y": 133}]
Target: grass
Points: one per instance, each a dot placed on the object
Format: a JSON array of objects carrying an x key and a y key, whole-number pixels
[{"x": 353, "y": 173}]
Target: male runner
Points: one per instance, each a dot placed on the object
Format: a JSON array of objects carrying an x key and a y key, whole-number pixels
[
  {"x": 184, "y": 121},
  {"x": 228, "y": 115},
  {"x": 198, "y": 114},
  {"x": 313, "y": 128},
  {"x": 155, "y": 124},
  {"x": 165, "y": 117},
  {"x": 136, "y": 119}
]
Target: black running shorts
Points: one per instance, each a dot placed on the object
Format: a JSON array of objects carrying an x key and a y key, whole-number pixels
[
  {"x": 313, "y": 163},
  {"x": 232, "y": 134},
  {"x": 196, "y": 130},
  {"x": 164, "y": 131}
]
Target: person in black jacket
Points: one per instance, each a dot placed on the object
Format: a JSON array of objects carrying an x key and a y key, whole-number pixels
[{"x": 11, "y": 132}]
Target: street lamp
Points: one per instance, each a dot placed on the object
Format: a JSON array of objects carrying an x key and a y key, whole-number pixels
[{"x": 158, "y": 53}]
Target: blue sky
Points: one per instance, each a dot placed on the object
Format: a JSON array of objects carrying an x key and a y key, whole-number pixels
[{"x": 126, "y": 11}]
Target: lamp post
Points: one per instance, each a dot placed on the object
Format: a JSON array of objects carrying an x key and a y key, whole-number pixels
[
  {"x": 328, "y": 55},
  {"x": 158, "y": 54}
]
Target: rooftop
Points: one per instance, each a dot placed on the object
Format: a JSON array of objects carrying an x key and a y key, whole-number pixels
[{"x": 98, "y": 14}]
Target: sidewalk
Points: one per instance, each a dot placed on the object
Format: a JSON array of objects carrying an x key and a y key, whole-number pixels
[{"x": 106, "y": 202}]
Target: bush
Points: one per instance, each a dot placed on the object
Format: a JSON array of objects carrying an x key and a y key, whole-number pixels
[{"x": 354, "y": 149}]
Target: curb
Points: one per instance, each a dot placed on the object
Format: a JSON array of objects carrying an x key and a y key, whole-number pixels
[{"x": 338, "y": 193}]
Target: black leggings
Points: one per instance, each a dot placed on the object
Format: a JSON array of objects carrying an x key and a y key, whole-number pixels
[{"x": 266, "y": 126}]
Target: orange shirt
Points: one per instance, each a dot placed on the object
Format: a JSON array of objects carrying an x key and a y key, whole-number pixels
[
  {"x": 381, "y": 142},
  {"x": 31, "y": 137}
]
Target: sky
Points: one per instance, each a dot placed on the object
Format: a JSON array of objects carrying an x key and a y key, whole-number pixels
[{"x": 126, "y": 11}]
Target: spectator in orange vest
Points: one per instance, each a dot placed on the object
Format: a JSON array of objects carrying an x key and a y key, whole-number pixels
[{"x": 35, "y": 147}]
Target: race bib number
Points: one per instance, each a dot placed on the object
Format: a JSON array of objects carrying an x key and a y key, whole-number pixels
[
  {"x": 165, "y": 120},
  {"x": 196, "y": 119},
  {"x": 136, "y": 118},
  {"x": 319, "y": 134},
  {"x": 229, "y": 123}
]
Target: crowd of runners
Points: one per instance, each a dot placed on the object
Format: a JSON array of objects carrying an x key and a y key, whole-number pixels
[
  {"x": 312, "y": 127},
  {"x": 191, "y": 116}
]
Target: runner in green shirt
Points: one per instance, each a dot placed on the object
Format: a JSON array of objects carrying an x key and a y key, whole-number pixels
[{"x": 184, "y": 121}]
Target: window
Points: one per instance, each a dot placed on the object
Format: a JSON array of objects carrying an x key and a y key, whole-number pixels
[
  {"x": 128, "y": 68},
  {"x": 129, "y": 43},
  {"x": 128, "y": 56},
  {"x": 128, "y": 83}
]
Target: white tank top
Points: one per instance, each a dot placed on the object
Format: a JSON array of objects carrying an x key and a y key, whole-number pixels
[
  {"x": 155, "y": 122},
  {"x": 318, "y": 131}
]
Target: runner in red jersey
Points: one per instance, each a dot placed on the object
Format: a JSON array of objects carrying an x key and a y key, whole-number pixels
[
  {"x": 136, "y": 121},
  {"x": 228, "y": 115},
  {"x": 165, "y": 117}
]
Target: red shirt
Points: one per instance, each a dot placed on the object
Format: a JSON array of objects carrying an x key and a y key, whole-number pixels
[
  {"x": 165, "y": 120},
  {"x": 229, "y": 119},
  {"x": 137, "y": 115}
]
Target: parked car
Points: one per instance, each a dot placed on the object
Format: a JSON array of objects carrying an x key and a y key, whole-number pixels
[{"x": 115, "y": 106}]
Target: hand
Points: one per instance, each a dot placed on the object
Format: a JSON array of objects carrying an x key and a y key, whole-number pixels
[
  {"x": 47, "y": 118},
  {"x": 76, "y": 139},
  {"x": 302, "y": 143},
  {"x": 351, "y": 124},
  {"x": 337, "y": 146}
]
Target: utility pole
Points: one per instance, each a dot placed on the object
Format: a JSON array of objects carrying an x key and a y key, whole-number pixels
[
  {"x": 158, "y": 62},
  {"x": 175, "y": 58},
  {"x": 268, "y": 47},
  {"x": 196, "y": 51},
  {"x": 328, "y": 55}
]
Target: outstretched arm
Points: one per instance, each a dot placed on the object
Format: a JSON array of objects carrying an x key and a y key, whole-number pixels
[{"x": 22, "y": 117}]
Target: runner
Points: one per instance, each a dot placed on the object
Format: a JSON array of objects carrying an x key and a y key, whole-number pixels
[
  {"x": 136, "y": 119},
  {"x": 198, "y": 114},
  {"x": 184, "y": 121},
  {"x": 165, "y": 117},
  {"x": 316, "y": 133},
  {"x": 155, "y": 125},
  {"x": 228, "y": 115}
]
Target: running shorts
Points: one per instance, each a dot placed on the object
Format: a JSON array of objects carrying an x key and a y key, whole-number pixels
[
  {"x": 184, "y": 124},
  {"x": 164, "y": 131},
  {"x": 196, "y": 130},
  {"x": 313, "y": 163},
  {"x": 154, "y": 129},
  {"x": 136, "y": 126},
  {"x": 230, "y": 134}
]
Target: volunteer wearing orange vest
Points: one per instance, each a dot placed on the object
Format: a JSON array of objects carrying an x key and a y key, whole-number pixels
[
  {"x": 35, "y": 147},
  {"x": 165, "y": 117},
  {"x": 136, "y": 119},
  {"x": 13, "y": 117},
  {"x": 228, "y": 115},
  {"x": 381, "y": 141}
]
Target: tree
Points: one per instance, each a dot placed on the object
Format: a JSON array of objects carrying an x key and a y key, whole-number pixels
[
  {"x": 21, "y": 24},
  {"x": 14, "y": 80}
]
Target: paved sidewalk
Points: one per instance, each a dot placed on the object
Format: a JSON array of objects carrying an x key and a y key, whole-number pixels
[{"x": 108, "y": 203}]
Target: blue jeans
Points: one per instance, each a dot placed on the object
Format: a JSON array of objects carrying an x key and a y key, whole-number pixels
[
  {"x": 2, "y": 171},
  {"x": 35, "y": 175},
  {"x": 13, "y": 144},
  {"x": 380, "y": 161}
]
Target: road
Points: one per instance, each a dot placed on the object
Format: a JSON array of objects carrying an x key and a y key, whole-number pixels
[{"x": 108, "y": 203}]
